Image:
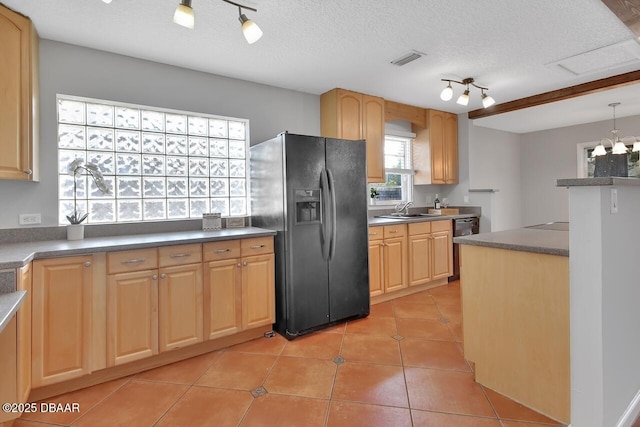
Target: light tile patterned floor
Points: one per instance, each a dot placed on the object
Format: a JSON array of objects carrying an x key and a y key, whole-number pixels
[{"x": 402, "y": 366}]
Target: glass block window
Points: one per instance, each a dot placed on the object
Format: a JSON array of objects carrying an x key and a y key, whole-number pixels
[{"x": 158, "y": 164}]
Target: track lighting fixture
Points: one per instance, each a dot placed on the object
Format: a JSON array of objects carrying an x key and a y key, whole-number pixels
[
  {"x": 107, "y": 1},
  {"x": 447, "y": 92},
  {"x": 618, "y": 145},
  {"x": 184, "y": 16}
]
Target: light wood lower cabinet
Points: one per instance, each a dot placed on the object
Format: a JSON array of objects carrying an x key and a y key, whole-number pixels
[
  {"x": 24, "y": 334},
  {"x": 258, "y": 291},
  {"x": 8, "y": 362},
  {"x": 389, "y": 263},
  {"x": 180, "y": 306},
  {"x": 61, "y": 340},
  {"x": 239, "y": 290},
  {"x": 132, "y": 316},
  {"x": 409, "y": 255}
]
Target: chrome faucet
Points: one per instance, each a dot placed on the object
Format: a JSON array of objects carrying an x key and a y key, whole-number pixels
[{"x": 403, "y": 207}]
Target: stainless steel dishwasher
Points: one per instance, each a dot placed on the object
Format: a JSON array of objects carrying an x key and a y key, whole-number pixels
[{"x": 462, "y": 227}]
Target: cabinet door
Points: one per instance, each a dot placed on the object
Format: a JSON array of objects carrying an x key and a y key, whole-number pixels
[
  {"x": 180, "y": 321},
  {"x": 451, "y": 148},
  {"x": 132, "y": 316},
  {"x": 376, "y": 270},
  {"x": 373, "y": 132},
  {"x": 222, "y": 298},
  {"x": 419, "y": 257},
  {"x": 24, "y": 335},
  {"x": 61, "y": 317},
  {"x": 394, "y": 264},
  {"x": 258, "y": 291},
  {"x": 8, "y": 389},
  {"x": 437, "y": 146},
  {"x": 18, "y": 74},
  {"x": 349, "y": 115},
  {"x": 442, "y": 261}
]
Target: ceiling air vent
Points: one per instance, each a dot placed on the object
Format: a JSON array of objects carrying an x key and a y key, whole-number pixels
[{"x": 409, "y": 57}]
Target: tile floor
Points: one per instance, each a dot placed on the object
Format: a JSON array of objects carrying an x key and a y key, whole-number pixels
[{"x": 402, "y": 366}]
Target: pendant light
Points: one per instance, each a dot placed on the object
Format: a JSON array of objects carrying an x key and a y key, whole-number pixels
[
  {"x": 447, "y": 92},
  {"x": 617, "y": 145}
]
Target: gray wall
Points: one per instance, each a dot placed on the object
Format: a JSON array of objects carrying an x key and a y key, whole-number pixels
[
  {"x": 73, "y": 70},
  {"x": 552, "y": 154}
]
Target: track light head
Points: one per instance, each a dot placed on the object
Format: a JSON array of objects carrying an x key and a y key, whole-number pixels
[
  {"x": 107, "y": 1},
  {"x": 184, "y": 14},
  {"x": 250, "y": 29},
  {"x": 447, "y": 93},
  {"x": 487, "y": 101},
  {"x": 464, "y": 98}
]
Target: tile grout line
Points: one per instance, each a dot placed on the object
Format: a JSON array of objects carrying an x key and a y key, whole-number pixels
[
  {"x": 404, "y": 373},
  {"x": 335, "y": 375},
  {"x": 155, "y": 423}
]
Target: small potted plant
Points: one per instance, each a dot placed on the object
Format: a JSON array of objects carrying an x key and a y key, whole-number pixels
[
  {"x": 374, "y": 195},
  {"x": 75, "y": 229}
]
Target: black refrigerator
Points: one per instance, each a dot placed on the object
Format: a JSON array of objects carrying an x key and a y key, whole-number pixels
[{"x": 312, "y": 191}]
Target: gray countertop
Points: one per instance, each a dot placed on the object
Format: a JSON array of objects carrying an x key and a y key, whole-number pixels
[
  {"x": 595, "y": 182},
  {"x": 9, "y": 304},
  {"x": 544, "y": 241},
  {"x": 16, "y": 255},
  {"x": 391, "y": 221}
]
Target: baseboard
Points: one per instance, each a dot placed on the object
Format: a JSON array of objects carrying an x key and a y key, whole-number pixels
[{"x": 631, "y": 413}]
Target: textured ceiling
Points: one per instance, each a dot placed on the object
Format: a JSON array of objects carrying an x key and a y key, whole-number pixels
[{"x": 511, "y": 46}]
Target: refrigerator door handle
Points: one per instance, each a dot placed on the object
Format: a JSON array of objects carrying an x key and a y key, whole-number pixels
[
  {"x": 324, "y": 185},
  {"x": 334, "y": 216}
]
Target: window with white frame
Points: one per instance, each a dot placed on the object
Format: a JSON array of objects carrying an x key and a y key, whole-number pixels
[
  {"x": 158, "y": 164},
  {"x": 398, "y": 170}
]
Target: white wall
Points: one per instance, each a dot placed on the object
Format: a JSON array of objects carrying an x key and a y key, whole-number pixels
[
  {"x": 74, "y": 70},
  {"x": 605, "y": 350},
  {"x": 551, "y": 154}
]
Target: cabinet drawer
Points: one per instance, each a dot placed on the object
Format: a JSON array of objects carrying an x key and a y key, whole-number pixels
[
  {"x": 376, "y": 233},
  {"x": 180, "y": 255},
  {"x": 419, "y": 228},
  {"x": 441, "y": 226},
  {"x": 136, "y": 260},
  {"x": 256, "y": 246},
  {"x": 399, "y": 230},
  {"x": 226, "y": 249}
]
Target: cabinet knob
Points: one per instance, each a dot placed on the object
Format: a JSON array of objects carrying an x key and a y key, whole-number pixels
[
  {"x": 163, "y": 276},
  {"x": 28, "y": 172},
  {"x": 239, "y": 265},
  {"x": 244, "y": 263},
  {"x": 87, "y": 264},
  {"x": 154, "y": 277}
]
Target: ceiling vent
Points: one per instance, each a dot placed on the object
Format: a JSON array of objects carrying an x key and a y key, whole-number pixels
[
  {"x": 607, "y": 57},
  {"x": 409, "y": 57}
]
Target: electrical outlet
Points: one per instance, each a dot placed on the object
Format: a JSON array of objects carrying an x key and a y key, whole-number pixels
[
  {"x": 614, "y": 200},
  {"x": 30, "y": 219},
  {"x": 466, "y": 200}
]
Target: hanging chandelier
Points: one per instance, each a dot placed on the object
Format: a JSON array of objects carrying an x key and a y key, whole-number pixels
[{"x": 618, "y": 145}]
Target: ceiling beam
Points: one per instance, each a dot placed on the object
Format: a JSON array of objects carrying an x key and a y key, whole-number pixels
[
  {"x": 628, "y": 11},
  {"x": 612, "y": 82}
]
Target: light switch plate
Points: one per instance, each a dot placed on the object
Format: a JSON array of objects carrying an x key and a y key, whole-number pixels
[{"x": 614, "y": 200}]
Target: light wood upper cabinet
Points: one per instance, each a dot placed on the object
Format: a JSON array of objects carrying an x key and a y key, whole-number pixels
[
  {"x": 404, "y": 112},
  {"x": 351, "y": 115},
  {"x": 18, "y": 97},
  {"x": 435, "y": 149},
  {"x": 61, "y": 329}
]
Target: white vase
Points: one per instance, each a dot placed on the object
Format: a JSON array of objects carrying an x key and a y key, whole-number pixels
[{"x": 75, "y": 231}]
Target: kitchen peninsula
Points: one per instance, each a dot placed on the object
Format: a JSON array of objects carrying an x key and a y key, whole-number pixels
[{"x": 515, "y": 310}]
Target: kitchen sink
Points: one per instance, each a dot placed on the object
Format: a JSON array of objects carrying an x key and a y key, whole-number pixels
[{"x": 401, "y": 215}]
